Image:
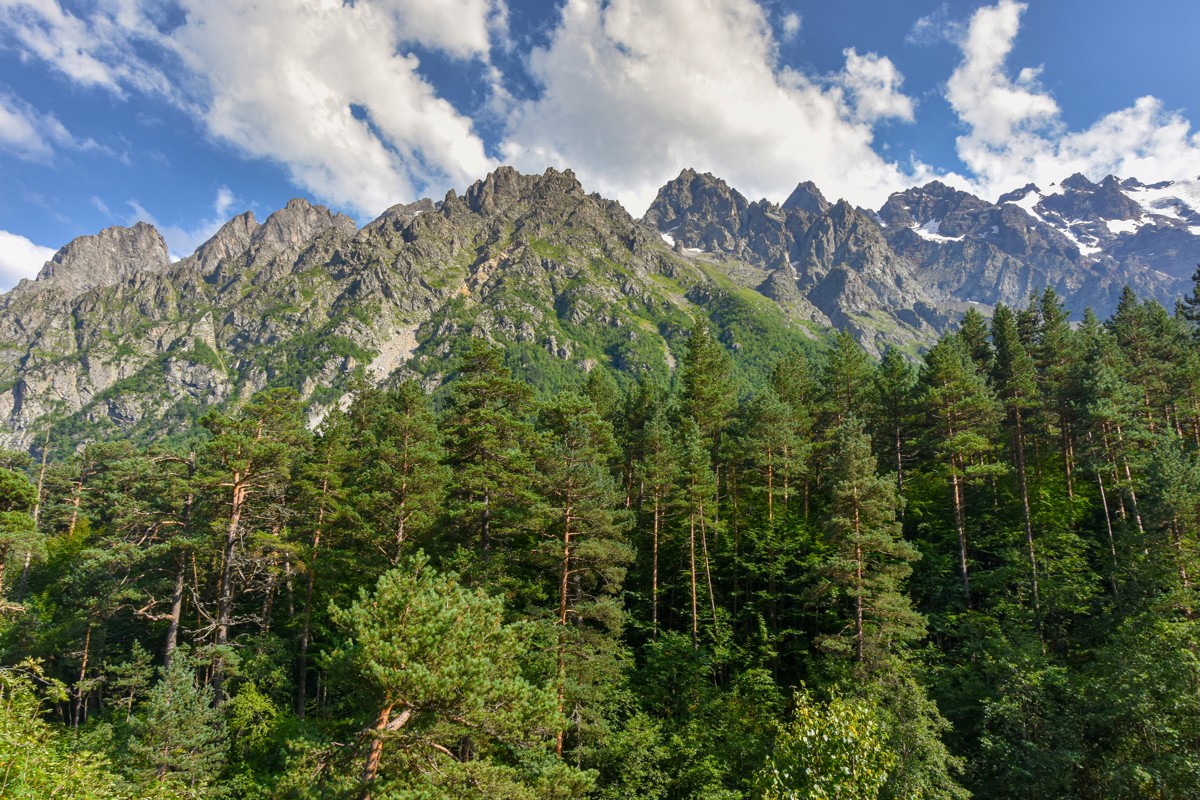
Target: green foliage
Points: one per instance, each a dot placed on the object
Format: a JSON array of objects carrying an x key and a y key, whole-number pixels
[
  {"x": 37, "y": 760},
  {"x": 647, "y": 564},
  {"x": 441, "y": 664},
  {"x": 827, "y": 751},
  {"x": 179, "y": 739}
]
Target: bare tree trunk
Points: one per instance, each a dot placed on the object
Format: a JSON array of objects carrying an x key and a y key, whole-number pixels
[
  {"x": 654, "y": 569},
  {"x": 692, "y": 568},
  {"x": 1112, "y": 541},
  {"x": 175, "y": 614},
  {"x": 712, "y": 598},
  {"x": 960, "y": 528},
  {"x": 225, "y": 590},
  {"x": 1022, "y": 479},
  {"x": 78, "y": 704}
]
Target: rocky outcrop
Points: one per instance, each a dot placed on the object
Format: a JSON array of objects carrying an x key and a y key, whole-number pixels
[
  {"x": 112, "y": 338},
  {"x": 105, "y": 259}
]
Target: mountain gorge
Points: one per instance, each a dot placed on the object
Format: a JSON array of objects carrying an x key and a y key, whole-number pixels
[{"x": 112, "y": 337}]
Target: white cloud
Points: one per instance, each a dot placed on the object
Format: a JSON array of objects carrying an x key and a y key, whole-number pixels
[
  {"x": 873, "y": 83},
  {"x": 791, "y": 25},
  {"x": 20, "y": 258},
  {"x": 322, "y": 87},
  {"x": 93, "y": 51},
  {"x": 981, "y": 93},
  {"x": 934, "y": 28},
  {"x": 1016, "y": 134},
  {"x": 33, "y": 136},
  {"x": 635, "y": 90}
]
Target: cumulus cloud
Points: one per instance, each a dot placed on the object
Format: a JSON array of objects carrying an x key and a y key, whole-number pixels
[
  {"x": 323, "y": 87},
  {"x": 1015, "y": 134},
  {"x": 33, "y": 136},
  {"x": 20, "y": 258},
  {"x": 873, "y": 83},
  {"x": 633, "y": 91}
]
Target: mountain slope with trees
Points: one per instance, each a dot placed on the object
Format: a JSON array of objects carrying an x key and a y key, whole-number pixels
[{"x": 833, "y": 576}]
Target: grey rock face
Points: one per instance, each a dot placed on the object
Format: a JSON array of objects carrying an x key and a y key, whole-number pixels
[
  {"x": 113, "y": 335},
  {"x": 105, "y": 259}
]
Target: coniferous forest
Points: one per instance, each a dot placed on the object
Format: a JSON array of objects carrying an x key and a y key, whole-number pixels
[{"x": 970, "y": 574}]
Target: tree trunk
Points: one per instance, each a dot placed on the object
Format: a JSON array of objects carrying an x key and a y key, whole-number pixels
[
  {"x": 1112, "y": 541},
  {"x": 960, "y": 528},
  {"x": 78, "y": 705},
  {"x": 225, "y": 590},
  {"x": 692, "y": 569},
  {"x": 564, "y": 588},
  {"x": 175, "y": 615},
  {"x": 712, "y": 598},
  {"x": 859, "y": 635},
  {"x": 306, "y": 624},
  {"x": 383, "y": 723},
  {"x": 1022, "y": 479},
  {"x": 654, "y": 569}
]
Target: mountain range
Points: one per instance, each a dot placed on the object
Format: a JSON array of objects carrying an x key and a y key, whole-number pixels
[{"x": 115, "y": 337}]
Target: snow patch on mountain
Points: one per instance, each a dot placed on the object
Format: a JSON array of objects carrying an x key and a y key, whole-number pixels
[{"x": 931, "y": 231}]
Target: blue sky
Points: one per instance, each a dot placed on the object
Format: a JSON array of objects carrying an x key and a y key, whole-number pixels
[{"x": 184, "y": 113}]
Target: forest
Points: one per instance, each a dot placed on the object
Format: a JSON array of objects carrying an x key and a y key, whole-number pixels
[{"x": 969, "y": 574}]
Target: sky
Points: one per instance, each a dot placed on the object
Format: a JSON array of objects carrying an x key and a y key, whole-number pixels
[{"x": 183, "y": 113}]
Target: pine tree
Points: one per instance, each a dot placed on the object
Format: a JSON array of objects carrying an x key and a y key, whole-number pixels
[
  {"x": 707, "y": 394},
  {"x": 322, "y": 497},
  {"x": 18, "y": 531},
  {"x": 1190, "y": 306},
  {"x": 588, "y": 545},
  {"x": 251, "y": 457},
  {"x": 973, "y": 332},
  {"x": 697, "y": 498},
  {"x": 402, "y": 480},
  {"x": 846, "y": 383},
  {"x": 895, "y": 413},
  {"x": 179, "y": 736},
  {"x": 867, "y": 560},
  {"x": 490, "y": 445},
  {"x": 963, "y": 414},
  {"x": 442, "y": 668},
  {"x": 656, "y": 472},
  {"x": 1016, "y": 383}
]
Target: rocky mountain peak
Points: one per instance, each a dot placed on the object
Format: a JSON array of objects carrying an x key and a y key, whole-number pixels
[
  {"x": 106, "y": 258},
  {"x": 231, "y": 240},
  {"x": 1078, "y": 183},
  {"x": 505, "y": 187},
  {"x": 296, "y": 223},
  {"x": 696, "y": 195},
  {"x": 1082, "y": 199},
  {"x": 939, "y": 209},
  {"x": 1017, "y": 195},
  {"x": 806, "y": 197}
]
